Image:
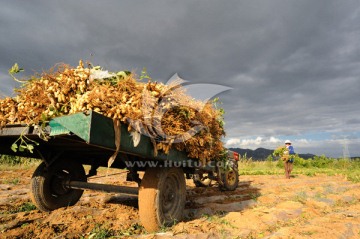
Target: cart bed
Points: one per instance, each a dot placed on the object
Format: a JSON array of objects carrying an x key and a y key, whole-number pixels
[{"x": 85, "y": 137}]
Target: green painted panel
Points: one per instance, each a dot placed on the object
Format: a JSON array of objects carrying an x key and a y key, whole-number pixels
[
  {"x": 98, "y": 130},
  {"x": 78, "y": 123},
  {"x": 57, "y": 129},
  {"x": 101, "y": 130}
]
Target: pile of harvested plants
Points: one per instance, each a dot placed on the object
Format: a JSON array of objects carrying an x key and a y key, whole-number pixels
[{"x": 163, "y": 112}]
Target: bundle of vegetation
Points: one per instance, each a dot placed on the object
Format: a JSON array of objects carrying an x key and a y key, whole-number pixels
[{"x": 163, "y": 112}]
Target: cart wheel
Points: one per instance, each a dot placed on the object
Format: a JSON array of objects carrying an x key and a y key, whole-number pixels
[
  {"x": 162, "y": 197},
  {"x": 230, "y": 179},
  {"x": 47, "y": 189},
  {"x": 201, "y": 180}
]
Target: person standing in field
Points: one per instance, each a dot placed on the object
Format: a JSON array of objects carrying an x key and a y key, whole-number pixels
[{"x": 288, "y": 164}]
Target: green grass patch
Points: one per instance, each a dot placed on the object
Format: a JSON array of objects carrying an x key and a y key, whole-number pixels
[
  {"x": 14, "y": 162},
  {"x": 25, "y": 207},
  {"x": 14, "y": 181},
  {"x": 100, "y": 232},
  {"x": 309, "y": 167},
  {"x": 218, "y": 218}
]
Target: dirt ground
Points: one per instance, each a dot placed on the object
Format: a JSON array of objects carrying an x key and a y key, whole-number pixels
[{"x": 261, "y": 207}]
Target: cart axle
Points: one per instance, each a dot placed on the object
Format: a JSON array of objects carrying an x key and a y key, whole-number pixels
[{"x": 101, "y": 187}]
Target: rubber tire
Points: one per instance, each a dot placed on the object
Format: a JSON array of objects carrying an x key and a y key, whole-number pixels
[
  {"x": 47, "y": 191},
  {"x": 230, "y": 179},
  {"x": 156, "y": 185}
]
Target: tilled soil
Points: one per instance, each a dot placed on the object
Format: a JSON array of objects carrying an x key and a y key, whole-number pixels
[{"x": 261, "y": 207}]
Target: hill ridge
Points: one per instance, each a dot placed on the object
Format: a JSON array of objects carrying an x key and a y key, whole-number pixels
[{"x": 262, "y": 153}]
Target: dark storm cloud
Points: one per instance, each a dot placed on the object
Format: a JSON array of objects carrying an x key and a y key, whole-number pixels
[{"x": 294, "y": 66}]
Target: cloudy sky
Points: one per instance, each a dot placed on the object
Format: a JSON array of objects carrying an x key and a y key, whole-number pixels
[{"x": 293, "y": 66}]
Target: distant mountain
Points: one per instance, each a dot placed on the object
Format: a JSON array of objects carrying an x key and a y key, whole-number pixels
[{"x": 262, "y": 154}]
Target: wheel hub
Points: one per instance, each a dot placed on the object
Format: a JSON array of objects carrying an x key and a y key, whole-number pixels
[
  {"x": 231, "y": 177},
  {"x": 169, "y": 196},
  {"x": 58, "y": 183}
]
